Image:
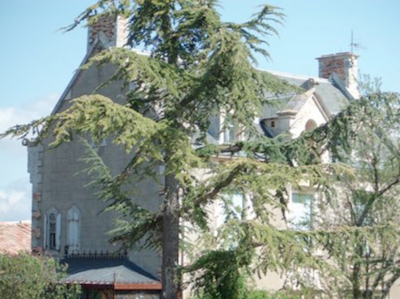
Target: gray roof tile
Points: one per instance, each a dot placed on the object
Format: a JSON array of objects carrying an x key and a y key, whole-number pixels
[
  {"x": 330, "y": 96},
  {"x": 106, "y": 271}
]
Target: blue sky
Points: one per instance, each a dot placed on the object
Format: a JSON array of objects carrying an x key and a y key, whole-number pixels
[{"x": 37, "y": 60}]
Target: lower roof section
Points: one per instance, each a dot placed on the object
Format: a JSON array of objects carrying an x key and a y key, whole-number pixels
[{"x": 116, "y": 273}]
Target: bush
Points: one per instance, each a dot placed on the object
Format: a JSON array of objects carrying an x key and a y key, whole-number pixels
[
  {"x": 272, "y": 295},
  {"x": 34, "y": 277}
]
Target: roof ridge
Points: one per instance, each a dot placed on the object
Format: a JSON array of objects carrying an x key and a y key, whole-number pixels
[{"x": 296, "y": 76}]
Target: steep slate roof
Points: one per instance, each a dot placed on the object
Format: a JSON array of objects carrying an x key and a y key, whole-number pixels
[
  {"x": 15, "y": 237},
  {"x": 107, "y": 271},
  {"x": 101, "y": 43},
  {"x": 330, "y": 96}
]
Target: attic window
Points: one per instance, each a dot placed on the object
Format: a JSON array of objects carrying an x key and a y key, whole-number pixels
[
  {"x": 273, "y": 124},
  {"x": 95, "y": 145}
]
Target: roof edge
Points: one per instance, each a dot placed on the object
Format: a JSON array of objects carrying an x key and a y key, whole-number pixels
[
  {"x": 78, "y": 71},
  {"x": 296, "y": 76},
  {"x": 341, "y": 86}
]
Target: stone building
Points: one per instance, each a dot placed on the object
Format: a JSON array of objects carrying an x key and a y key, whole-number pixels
[{"x": 66, "y": 218}]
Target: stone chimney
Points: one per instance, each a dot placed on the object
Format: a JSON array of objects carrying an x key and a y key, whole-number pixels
[
  {"x": 110, "y": 29},
  {"x": 344, "y": 65}
]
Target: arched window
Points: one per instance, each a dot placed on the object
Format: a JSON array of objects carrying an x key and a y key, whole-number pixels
[
  {"x": 73, "y": 230},
  {"x": 311, "y": 125},
  {"x": 52, "y": 230}
]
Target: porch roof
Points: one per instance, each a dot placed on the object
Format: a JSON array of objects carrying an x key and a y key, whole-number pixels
[{"x": 115, "y": 272}]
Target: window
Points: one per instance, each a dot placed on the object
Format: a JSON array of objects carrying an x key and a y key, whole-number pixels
[
  {"x": 73, "y": 230},
  {"x": 230, "y": 211},
  {"x": 230, "y": 134},
  {"x": 52, "y": 230},
  {"x": 237, "y": 203},
  {"x": 229, "y": 129},
  {"x": 94, "y": 145},
  {"x": 300, "y": 211},
  {"x": 311, "y": 125}
]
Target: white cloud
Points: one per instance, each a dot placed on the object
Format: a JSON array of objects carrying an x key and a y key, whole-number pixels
[
  {"x": 15, "y": 198},
  {"x": 15, "y": 201},
  {"x": 12, "y": 115}
]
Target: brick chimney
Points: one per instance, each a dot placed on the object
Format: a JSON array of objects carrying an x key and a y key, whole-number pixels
[
  {"x": 110, "y": 29},
  {"x": 344, "y": 65}
]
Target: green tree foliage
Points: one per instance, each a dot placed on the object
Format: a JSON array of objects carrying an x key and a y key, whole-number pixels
[
  {"x": 221, "y": 279},
  {"x": 200, "y": 67},
  {"x": 370, "y": 201},
  {"x": 283, "y": 294},
  {"x": 35, "y": 277}
]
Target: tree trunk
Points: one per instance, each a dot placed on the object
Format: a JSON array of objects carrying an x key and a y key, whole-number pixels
[
  {"x": 356, "y": 282},
  {"x": 170, "y": 241},
  {"x": 357, "y": 294}
]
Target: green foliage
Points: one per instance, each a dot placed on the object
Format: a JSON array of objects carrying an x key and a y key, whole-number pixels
[
  {"x": 198, "y": 68},
  {"x": 370, "y": 201},
  {"x": 220, "y": 276},
  {"x": 35, "y": 277},
  {"x": 282, "y": 294},
  {"x": 241, "y": 290}
]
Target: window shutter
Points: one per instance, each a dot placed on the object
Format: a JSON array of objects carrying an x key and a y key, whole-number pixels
[{"x": 73, "y": 230}]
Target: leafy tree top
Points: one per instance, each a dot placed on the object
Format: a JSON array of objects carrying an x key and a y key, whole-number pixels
[{"x": 199, "y": 67}]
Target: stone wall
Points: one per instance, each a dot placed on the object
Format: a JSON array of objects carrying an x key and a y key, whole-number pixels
[{"x": 59, "y": 182}]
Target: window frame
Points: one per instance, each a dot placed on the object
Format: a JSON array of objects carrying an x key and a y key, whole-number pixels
[{"x": 52, "y": 231}]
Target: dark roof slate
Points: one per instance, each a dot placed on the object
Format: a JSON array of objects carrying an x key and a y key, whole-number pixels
[{"x": 106, "y": 271}]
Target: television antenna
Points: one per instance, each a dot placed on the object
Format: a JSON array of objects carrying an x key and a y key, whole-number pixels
[{"x": 354, "y": 45}]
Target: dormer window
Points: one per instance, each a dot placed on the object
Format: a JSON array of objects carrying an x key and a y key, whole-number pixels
[
  {"x": 94, "y": 145},
  {"x": 267, "y": 127}
]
